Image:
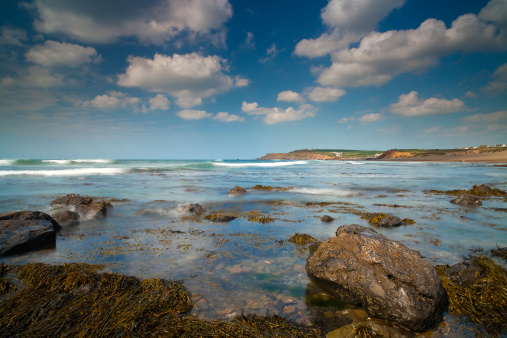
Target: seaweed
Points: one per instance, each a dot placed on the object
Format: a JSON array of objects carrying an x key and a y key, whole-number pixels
[
  {"x": 480, "y": 191},
  {"x": 364, "y": 330},
  {"x": 219, "y": 218},
  {"x": 302, "y": 239},
  {"x": 373, "y": 218},
  {"x": 500, "y": 253},
  {"x": 484, "y": 300},
  {"x": 268, "y": 188},
  {"x": 76, "y": 300},
  {"x": 408, "y": 221},
  {"x": 5, "y": 285}
]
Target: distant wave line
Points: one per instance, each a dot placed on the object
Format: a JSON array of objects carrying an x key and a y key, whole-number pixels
[
  {"x": 262, "y": 164},
  {"x": 66, "y": 172}
]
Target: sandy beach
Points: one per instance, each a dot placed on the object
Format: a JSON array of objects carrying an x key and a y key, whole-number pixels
[{"x": 484, "y": 157}]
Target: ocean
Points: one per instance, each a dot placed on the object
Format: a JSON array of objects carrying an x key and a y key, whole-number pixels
[{"x": 246, "y": 265}]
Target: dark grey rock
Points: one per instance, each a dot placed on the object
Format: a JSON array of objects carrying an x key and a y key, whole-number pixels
[
  {"x": 390, "y": 222},
  {"x": 391, "y": 281},
  {"x": 191, "y": 208},
  {"x": 87, "y": 207},
  {"x": 66, "y": 217},
  {"x": 27, "y": 215},
  {"x": 17, "y": 236},
  {"x": 467, "y": 200}
]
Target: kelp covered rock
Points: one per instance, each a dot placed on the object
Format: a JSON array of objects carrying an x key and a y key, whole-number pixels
[
  {"x": 66, "y": 217},
  {"x": 388, "y": 279},
  {"x": 467, "y": 200},
  {"x": 26, "y": 235},
  {"x": 477, "y": 290},
  {"x": 326, "y": 219},
  {"x": 237, "y": 190}
]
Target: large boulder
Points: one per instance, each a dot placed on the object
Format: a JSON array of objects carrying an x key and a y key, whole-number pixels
[
  {"x": 27, "y": 215},
  {"x": 389, "y": 280},
  {"x": 467, "y": 200},
  {"x": 87, "y": 207},
  {"x": 17, "y": 236}
]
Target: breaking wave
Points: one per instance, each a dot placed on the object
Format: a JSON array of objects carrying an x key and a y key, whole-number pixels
[
  {"x": 259, "y": 164},
  {"x": 66, "y": 172}
]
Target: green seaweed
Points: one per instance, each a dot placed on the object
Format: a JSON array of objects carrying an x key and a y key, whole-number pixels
[{"x": 302, "y": 239}]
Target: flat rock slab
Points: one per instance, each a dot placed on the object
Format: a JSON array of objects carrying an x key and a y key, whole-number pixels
[
  {"x": 391, "y": 281},
  {"x": 17, "y": 236}
]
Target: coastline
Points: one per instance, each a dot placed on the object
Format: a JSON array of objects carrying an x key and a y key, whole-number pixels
[{"x": 484, "y": 157}]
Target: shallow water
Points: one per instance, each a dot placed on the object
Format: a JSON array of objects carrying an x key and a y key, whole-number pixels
[{"x": 247, "y": 266}]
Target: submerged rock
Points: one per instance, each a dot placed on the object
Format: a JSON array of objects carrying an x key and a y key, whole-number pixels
[
  {"x": 390, "y": 221},
  {"x": 67, "y": 217},
  {"x": 366, "y": 329},
  {"x": 220, "y": 218},
  {"x": 17, "y": 236},
  {"x": 29, "y": 216},
  {"x": 388, "y": 279},
  {"x": 467, "y": 200},
  {"x": 191, "y": 208},
  {"x": 237, "y": 190},
  {"x": 326, "y": 219},
  {"x": 87, "y": 207}
]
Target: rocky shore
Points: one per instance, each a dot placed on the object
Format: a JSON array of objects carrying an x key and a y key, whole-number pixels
[{"x": 395, "y": 291}]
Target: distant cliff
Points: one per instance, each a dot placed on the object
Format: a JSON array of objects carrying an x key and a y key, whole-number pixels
[{"x": 297, "y": 156}]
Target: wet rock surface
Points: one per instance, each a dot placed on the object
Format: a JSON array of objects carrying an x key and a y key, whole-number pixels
[
  {"x": 87, "y": 207},
  {"x": 467, "y": 200},
  {"x": 390, "y": 222},
  {"x": 326, "y": 219},
  {"x": 237, "y": 190},
  {"x": 391, "y": 281},
  {"x": 28, "y": 216},
  {"x": 191, "y": 208},
  {"x": 66, "y": 217},
  {"x": 17, "y": 236}
]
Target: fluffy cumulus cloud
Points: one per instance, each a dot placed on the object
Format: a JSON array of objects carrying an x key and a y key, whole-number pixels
[
  {"x": 189, "y": 77},
  {"x": 189, "y": 114},
  {"x": 325, "y": 94},
  {"x": 113, "y": 100},
  {"x": 289, "y": 96},
  {"x": 53, "y": 53},
  {"x": 381, "y": 56},
  {"x": 159, "y": 102},
  {"x": 225, "y": 117},
  {"x": 277, "y": 115},
  {"x": 348, "y": 21},
  {"x": 155, "y": 21},
  {"x": 410, "y": 105}
]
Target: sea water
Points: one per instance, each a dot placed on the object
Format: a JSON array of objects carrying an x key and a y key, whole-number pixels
[{"x": 247, "y": 266}]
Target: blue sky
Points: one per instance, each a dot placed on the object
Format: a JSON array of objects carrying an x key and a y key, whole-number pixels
[{"x": 189, "y": 79}]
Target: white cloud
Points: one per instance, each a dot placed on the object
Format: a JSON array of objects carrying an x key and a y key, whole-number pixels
[
  {"x": 271, "y": 53},
  {"x": 346, "y": 119},
  {"x": 348, "y": 21},
  {"x": 277, "y": 115},
  {"x": 153, "y": 21},
  {"x": 471, "y": 95},
  {"x": 325, "y": 94},
  {"x": 188, "y": 77},
  {"x": 189, "y": 114},
  {"x": 112, "y": 100},
  {"x": 370, "y": 117},
  {"x": 225, "y": 117},
  {"x": 290, "y": 96},
  {"x": 410, "y": 105},
  {"x": 498, "y": 116},
  {"x": 498, "y": 85},
  {"x": 433, "y": 130},
  {"x": 12, "y": 36},
  {"x": 381, "y": 56},
  {"x": 53, "y": 53},
  {"x": 241, "y": 82},
  {"x": 249, "y": 41},
  {"x": 495, "y": 11},
  {"x": 159, "y": 102},
  {"x": 35, "y": 76}
]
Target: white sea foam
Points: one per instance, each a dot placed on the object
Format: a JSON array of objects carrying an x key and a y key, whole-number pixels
[
  {"x": 98, "y": 161},
  {"x": 261, "y": 164},
  {"x": 353, "y": 162},
  {"x": 67, "y": 172},
  {"x": 57, "y": 161},
  {"x": 7, "y": 162},
  {"x": 322, "y": 191}
]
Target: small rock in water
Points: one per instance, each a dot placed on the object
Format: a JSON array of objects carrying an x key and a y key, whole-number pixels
[
  {"x": 467, "y": 200},
  {"x": 66, "y": 217},
  {"x": 191, "y": 208},
  {"x": 237, "y": 190},
  {"x": 390, "y": 221},
  {"x": 326, "y": 219}
]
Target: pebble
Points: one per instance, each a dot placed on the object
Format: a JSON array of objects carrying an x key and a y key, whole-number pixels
[{"x": 289, "y": 309}]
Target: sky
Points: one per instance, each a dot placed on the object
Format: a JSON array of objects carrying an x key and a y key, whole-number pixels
[{"x": 236, "y": 79}]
